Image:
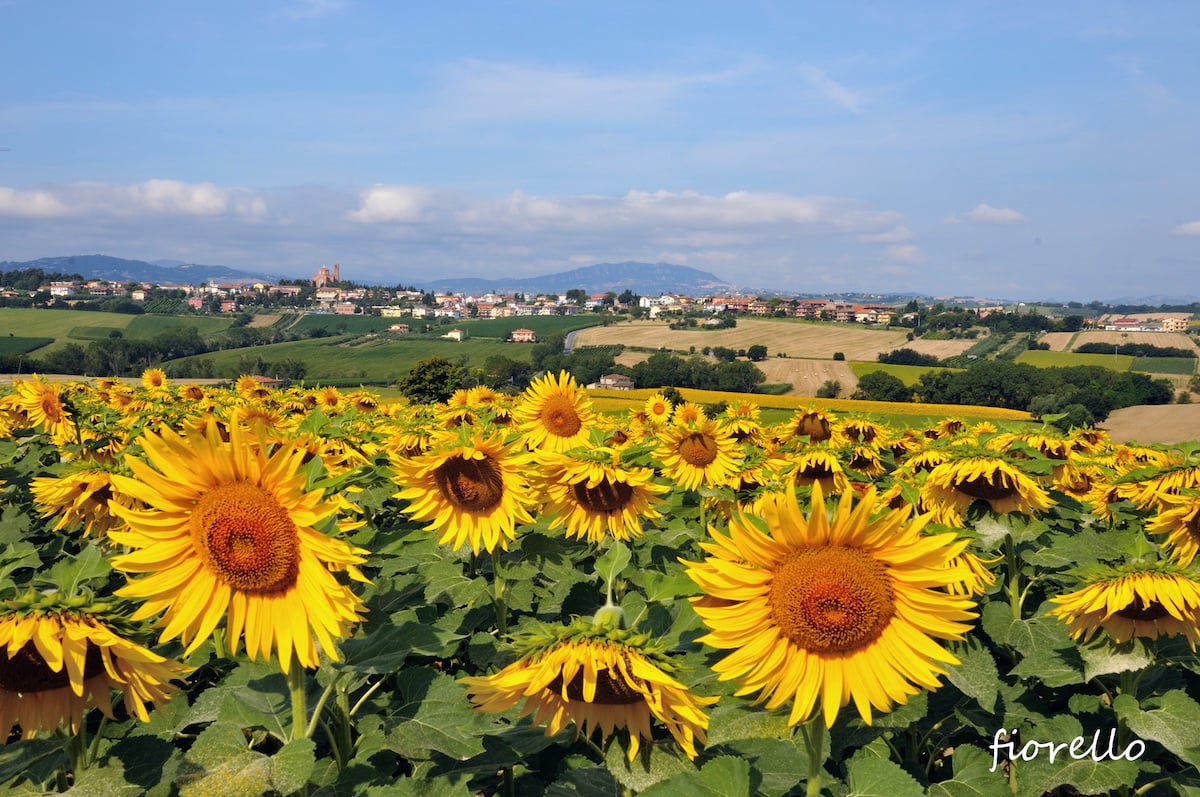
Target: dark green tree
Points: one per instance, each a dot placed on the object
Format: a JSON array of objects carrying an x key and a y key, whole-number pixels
[{"x": 431, "y": 380}]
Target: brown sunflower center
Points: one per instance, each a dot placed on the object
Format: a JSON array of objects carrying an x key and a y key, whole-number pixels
[
  {"x": 988, "y": 488},
  {"x": 813, "y": 472},
  {"x": 475, "y": 485},
  {"x": 831, "y": 600},
  {"x": 559, "y": 416},
  {"x": 814, "y": 426},
  {"x": 52, "y": 407},
  {"x": 27, "y": 672},
  {"x": 607, "y": 497},
  {"x": 698, "y": 449},
  {"x": 1153, "y": 611},
  {"x": 611, "y": 690},
  {"x": 247, "y": 538}
]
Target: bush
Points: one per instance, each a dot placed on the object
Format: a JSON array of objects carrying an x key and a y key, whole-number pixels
[
  {"x": 837, "y": 355},
  {"x": 831, "y": 389}
]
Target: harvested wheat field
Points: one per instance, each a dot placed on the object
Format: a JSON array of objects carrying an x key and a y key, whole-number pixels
[
  {"x": 1059, "y": 341},
  {"x": 940, "y": 348},
  {"x": 792, "y": 338},
  {"x": 1161, "y": 423},
  {"x": 807, "y": 376}
]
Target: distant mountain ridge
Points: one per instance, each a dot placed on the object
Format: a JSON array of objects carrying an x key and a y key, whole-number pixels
[
  {"x": 647, "y": 279},
  {"x": 120, "y": 269}
]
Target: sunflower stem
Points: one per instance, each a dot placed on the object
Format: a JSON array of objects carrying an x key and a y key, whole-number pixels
[
  {"x": 316, "y": 715},
  {"x": 94, "y": 749},
  {"x": 218, "y": 640},
  {"x": 813, "y": 732},
  {"x": 296, "y": 682},
  {"x": 499, "y": 586}
]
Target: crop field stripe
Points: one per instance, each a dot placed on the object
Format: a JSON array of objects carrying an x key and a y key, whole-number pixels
[
  {"x": 1165, "y": 365},
  {"x": 12, "y": 344},
  {"x": 1067, "y": 359}
]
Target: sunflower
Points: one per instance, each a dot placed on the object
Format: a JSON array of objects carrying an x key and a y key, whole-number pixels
[
  {"x": 595, "y": 496},
  {"x": 697, "y": 455},
  {"x": 154, "y": 379},
  {"x": 61, "y": 656},
  {"x": 813, "y": 424},
  {"x": 864, "y": 432},
  {"x": 1180, "y": 521},
  {"x": 469, "y": 489},
  {"x": 1145, "y": 603},
  {"x": 554, "y": 414},
  {"x": 819, "y": 465},
  {"x": 658, "y": 409},
  {"x": 825, "y": 611},
  {"x": 80, "y": 496},
  {"x": 230, "y": 535},
  {"x": 247, "y": 385},
  {"x": 193, "y": 393},
  {"x": 957, "y": 483},
  {"x": 42, "y": 403},
  {"x": 688, "y": 413},
  {"x": 600, "y": 679},
  {"x": 743, "y": 420}
]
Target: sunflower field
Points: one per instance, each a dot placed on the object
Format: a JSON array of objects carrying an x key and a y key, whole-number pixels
[{"x": 247, "y": 590}]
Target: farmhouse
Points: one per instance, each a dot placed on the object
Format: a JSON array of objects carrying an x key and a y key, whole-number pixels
[
  {"x": 615, "y": 382},
  {"x": 399, "y": 329},
  {"x": 524, "y": 336},
  {"x": 456, "y": 334}
]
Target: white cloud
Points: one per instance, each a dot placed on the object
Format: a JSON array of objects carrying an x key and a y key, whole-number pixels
[
  {"x": 153, "y": 198},
  {"x": 29, "y": 204},
  {"x": 474, "y": 90},
  {"x": 1190, "y": 228},
  {"x": 986, "y": 214},
  {"x": 905, "y": 253},
  {"x": 896, "y": 235},
  {"x": 404, "y": 204},
  {"x": 829, "y": 88}
]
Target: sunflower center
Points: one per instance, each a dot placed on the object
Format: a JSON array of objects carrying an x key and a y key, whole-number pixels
[
  {"x": 814, "y": 426},
  {"x": 27, "y": 672},
  {"x": 831, "y": 600},
  {"x": 52, "y": 407},
  {"x": 247, "y": 538},
  {"x": 813, "y": 472},
  {"x": 611, "y": 690},
  {"x": 988, "y": 488},
  {"x": 607, "y": 497},
  {"x": 559, "y": 417},
  {"x": 475, "y": 485},
  {"x": 1153, "y": 611},
  {"x": 698, "y": 449}
]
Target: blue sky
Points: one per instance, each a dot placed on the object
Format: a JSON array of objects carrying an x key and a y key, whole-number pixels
[{"x": 1009, "y": 149}]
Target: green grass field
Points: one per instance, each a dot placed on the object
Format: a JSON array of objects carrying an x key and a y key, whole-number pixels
[
  {"x": 1185, "y": 366},
  {"x": 334, "y": 359},
  {"x": 910, "y": 375},
  {"x": 340, "y": 324},
  {"x": 93, "y": 333},
  {"x": 144, "y": 327},
  {"x": 11, "y": 344},
  {"x": 1069, "y": 359}
]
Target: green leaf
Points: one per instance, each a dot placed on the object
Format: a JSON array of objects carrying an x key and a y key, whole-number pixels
[
  {"x": 879, "y": 777},
  {"x": 1109, "y": 659},
  {"x": 721, "y": 777},
  {"x": 1172, "y": 720},
  {"x": 220, "y": 764},
  {"x": 731, "y": 720},
  {"x": 977, "y": 676},
  {"x": 972, "y": 777},
  {"x": 613, "y": 562},
  {"x": 781, "y": 765},
  {"x": 71, "y": 573},
  {"x": 386, "y": 648},
  {"x": 432, "y": 714},
  {"x": 656, "y": 762},
  {"x": 255, "y": 695},
  {"x": 34, "y": 760},
  {"x": 106, "y": 781}
]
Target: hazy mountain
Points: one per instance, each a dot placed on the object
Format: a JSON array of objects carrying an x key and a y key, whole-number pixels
[
  {"x": 645, "y": 279},
  {"x": 121, "y": 270}
]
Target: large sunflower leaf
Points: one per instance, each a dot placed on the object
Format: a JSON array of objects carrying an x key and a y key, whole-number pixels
[
  {"x": 431, "y": 713},
  {"x": 655, "y": 763},
  {"x": 1172, "y": 720},
  {"x": 387, "y": 647},
  {"x": 879, "y": 777},
  {"x": 977, "y": 676},
  {"x": 1109, "y": 659},
  {"x": 105, "y": 781},
  {"x": 723, "y": 776},
  {"x": 220, "y": 764},
  {"x": 34, "y": 759},
  {"x": 972, "y": 776},
  {"x": 778, "y": 765}
]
